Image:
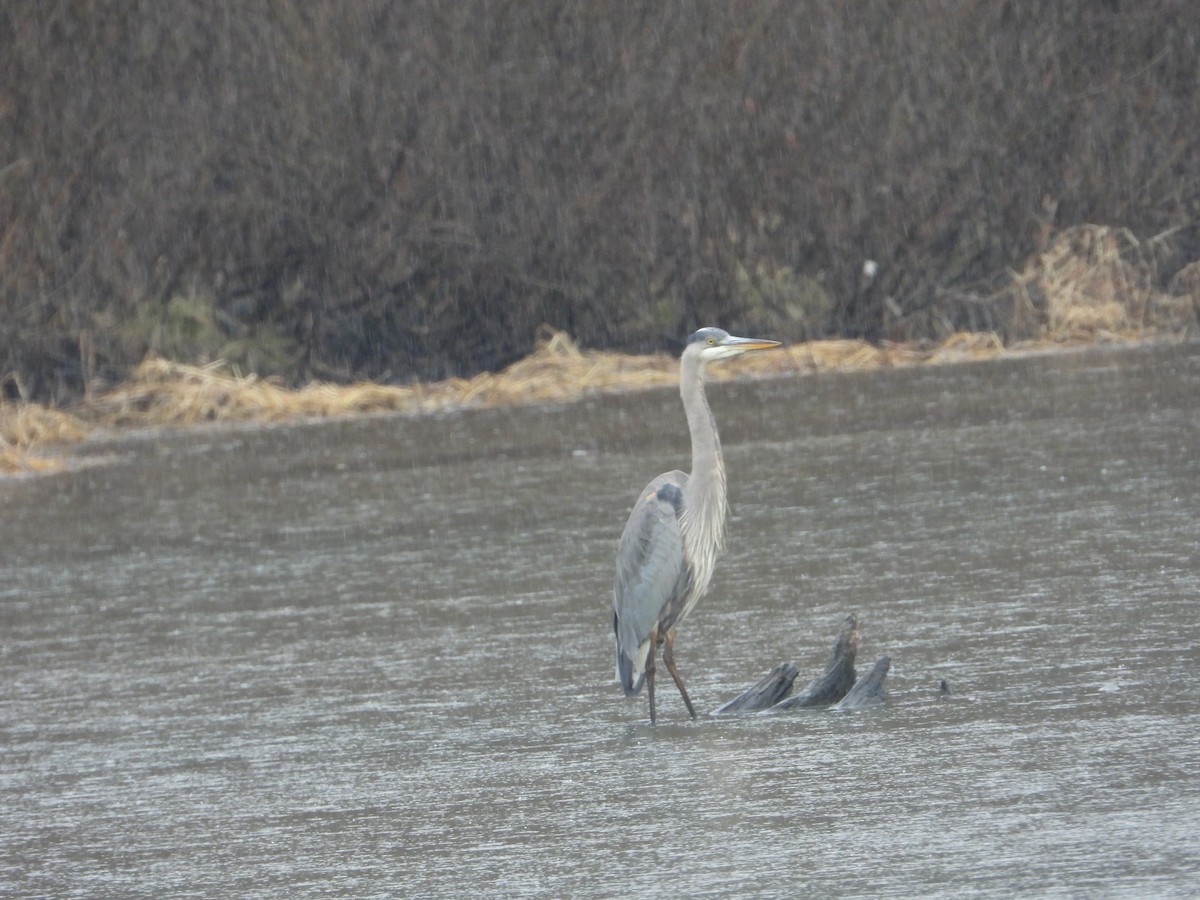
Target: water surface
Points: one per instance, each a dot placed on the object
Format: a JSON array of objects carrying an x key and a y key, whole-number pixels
[{"x": 373, "y": 658}]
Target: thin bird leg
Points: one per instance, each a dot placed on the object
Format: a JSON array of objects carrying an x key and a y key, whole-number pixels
[
  {"x": 669, "y": 660},
  {"x": 650, "y": 671}
]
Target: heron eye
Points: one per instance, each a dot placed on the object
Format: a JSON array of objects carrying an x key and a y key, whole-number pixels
[{"x": 712, "y": 340}]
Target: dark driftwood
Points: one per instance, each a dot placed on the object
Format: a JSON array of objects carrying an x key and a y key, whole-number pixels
[
  {"x": 833, "y": 684},
  {"x": 868, "y": 690},
  {"x": 772, "y": 688},
  {"x": 836, "y": 687}
]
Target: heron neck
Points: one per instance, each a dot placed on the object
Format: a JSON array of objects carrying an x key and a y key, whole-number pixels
[{"x": 704, "y": 495}]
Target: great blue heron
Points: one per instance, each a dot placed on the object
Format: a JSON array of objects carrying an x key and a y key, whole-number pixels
[{"x": 676, "y": 531}]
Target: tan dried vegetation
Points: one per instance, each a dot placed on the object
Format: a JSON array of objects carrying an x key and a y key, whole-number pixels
[
  {"x": 1096, "y": 282},
  {"x": 1091, "y": 284}
]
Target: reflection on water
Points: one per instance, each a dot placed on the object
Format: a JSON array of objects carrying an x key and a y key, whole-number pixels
[{"x": 373, "y": 658}]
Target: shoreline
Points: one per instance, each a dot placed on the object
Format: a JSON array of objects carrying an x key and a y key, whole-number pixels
[{"x": 164, "y": 394}]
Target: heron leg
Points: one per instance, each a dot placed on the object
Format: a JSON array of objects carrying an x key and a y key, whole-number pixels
[
  {"x": 669, "y": 660},
  {"x": 650, "y": 671}
]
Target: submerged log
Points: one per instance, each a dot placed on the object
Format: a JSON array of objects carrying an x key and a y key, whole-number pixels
[{"x": 836, "y": 687}]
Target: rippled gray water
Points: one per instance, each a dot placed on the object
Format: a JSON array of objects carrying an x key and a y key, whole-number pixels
[{"x": 373, "y": 658}]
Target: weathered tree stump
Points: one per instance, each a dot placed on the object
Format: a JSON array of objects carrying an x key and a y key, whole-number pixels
[
  {"x": 868, "y": 690},
  {"x": 773, "y": 687},
  {"x": 837, "y": 687}
]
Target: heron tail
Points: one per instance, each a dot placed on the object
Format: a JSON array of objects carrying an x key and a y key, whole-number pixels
[{"x": 625, "y": 675}]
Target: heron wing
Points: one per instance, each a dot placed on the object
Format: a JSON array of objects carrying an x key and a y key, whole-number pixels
[{"x": 650, "y": 570}]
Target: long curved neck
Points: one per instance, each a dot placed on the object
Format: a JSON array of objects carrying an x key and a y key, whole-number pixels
[{"x": 704, "y": 495}]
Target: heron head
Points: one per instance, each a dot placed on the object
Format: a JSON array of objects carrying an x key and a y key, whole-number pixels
[{"x": 716, "y": 343}]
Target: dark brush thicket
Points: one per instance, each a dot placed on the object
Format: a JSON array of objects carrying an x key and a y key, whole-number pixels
[{"x": 410, "y": 189}]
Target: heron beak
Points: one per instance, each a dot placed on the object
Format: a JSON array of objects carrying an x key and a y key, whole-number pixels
[{"x": 741, "y": 343}]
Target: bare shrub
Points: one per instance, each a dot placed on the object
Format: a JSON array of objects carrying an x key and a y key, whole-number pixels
[{"x": 409, "y": 190}]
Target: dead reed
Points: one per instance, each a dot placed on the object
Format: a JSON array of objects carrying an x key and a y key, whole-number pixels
[
  {"x": 162, "y": 393},
  {"x": 1097, "y": 283},
  {"x": 1090, "y": 284},
  {"x": 27, "y": 427}
]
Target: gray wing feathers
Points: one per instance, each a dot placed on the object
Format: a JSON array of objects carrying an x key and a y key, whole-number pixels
[{"x": 650, "y": 567}]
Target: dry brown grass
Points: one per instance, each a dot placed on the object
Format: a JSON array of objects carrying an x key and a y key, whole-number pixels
[
  {"x": 1097, "y": 283},
  {"x": 163, "y": 393},
  {"x": 26, "y": 427},
  {"x": 1091, "y": 284}
]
